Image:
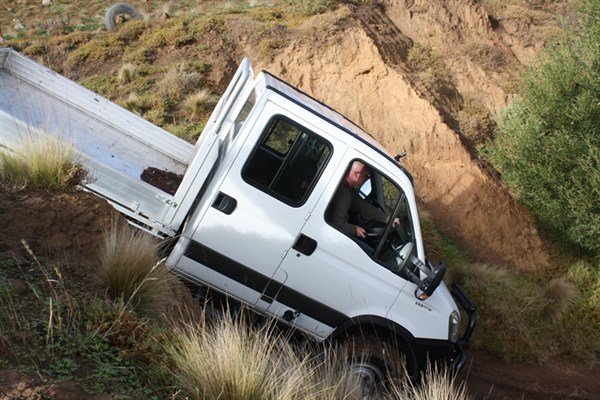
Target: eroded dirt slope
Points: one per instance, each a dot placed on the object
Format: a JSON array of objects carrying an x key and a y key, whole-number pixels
[
  {"x": 361, "y": 72},
  {"x": 57, "y": 225}
]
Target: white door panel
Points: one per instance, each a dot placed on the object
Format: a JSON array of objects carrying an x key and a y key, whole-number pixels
[{"x": 248, "y": 241}]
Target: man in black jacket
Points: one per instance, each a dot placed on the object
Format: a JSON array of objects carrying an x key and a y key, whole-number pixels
[{"x": 347, "y": 200}]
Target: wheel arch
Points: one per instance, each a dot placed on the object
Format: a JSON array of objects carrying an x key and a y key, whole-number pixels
[{"x": 382, "y": 328}]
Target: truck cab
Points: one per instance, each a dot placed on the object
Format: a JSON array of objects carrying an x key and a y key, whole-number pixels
[
  {"x": 261, "y": 231},
  {"x": 256, "y": 214}
]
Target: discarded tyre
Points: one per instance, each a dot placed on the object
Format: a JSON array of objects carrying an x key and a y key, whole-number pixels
[{"x": 116, "y": 13}]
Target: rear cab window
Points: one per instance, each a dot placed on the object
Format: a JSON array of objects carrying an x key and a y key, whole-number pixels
[{"x": 287, "y": 162}]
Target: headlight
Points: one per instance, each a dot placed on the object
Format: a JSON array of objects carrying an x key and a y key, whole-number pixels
[{"x": 453, "y": 325}]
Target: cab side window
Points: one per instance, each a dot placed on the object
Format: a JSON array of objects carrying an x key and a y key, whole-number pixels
[
  {"x": 373, "y": 211},
  {"x": 287, "y": 162}
]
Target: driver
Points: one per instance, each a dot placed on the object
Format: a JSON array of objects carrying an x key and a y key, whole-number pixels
[{"x": 347, "y": 200}]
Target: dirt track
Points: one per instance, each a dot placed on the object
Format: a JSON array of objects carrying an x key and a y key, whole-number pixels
[{"x": 488, "y": 378}]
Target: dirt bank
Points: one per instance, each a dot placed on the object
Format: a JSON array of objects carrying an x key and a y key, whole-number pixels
[{"x": 361, "y": 72}]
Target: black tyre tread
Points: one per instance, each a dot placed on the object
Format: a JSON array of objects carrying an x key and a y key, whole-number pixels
[
  {"x": 397, "y": 357},
  {"x": 119, "y": 9}
]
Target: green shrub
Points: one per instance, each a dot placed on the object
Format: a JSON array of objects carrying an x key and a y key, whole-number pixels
[{"x": 548, "y": 142}]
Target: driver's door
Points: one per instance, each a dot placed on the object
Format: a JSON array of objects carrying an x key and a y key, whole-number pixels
[{"x": 339, "y": 280}]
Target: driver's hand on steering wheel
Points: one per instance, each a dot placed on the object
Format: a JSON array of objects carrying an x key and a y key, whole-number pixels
[{"x": 360, "y": 231}]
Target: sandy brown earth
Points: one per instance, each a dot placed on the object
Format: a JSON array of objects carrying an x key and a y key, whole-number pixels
[{"x": 363, "y": 74}]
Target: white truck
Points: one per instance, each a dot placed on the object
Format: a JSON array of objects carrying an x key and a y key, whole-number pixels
[{"x": 250, "y": 216}]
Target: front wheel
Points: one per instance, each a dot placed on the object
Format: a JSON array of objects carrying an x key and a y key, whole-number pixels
[{"x": 378, "y": 363}]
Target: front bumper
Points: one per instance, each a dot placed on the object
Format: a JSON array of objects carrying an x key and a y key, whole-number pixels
[
  {"x": 459, "y": 358},
  {"x": 444, "y": 352}
]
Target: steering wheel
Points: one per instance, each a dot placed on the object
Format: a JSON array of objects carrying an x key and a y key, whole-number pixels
[{"x": 375, "y": 230}]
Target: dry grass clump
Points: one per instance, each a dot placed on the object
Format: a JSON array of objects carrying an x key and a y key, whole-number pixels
[
  {"x": 127, "y": 72},
  {"x": 436, "y": 384},
  {"x": 178, "y": 82},
  {"x": 230, "y": 360},
  {"x": 429, "y": 69},
  {"x": 476, "y": 122},
  {"x": 131, "y": 271},
  {"x": 199, "y": 102},
  {"x": 135, "y": 103},
  {"x": 43, "y": 162},
  {"x": 485, "y": 54},
  {"x": 559, "y": 296}
]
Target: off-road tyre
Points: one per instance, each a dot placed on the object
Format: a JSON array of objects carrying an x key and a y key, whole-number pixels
[
  {"x": 379, "y": 362},
  {"x": 119, "y": 10}
]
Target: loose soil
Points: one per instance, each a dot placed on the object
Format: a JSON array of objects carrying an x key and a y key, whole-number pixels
[{"x": 164, "y": 180}]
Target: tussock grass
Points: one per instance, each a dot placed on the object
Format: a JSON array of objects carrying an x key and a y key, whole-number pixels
[
  {"x": 476, "y": 122},
  {"x": 231, "y": 360},
  {"x": 135, "y": 103},
  {"x": 199, "y": 102},
  {"x": 429, "y": 69},
  {"x": 127, "y": 72},
  {"x": 559, "y": 296},
  {"x": 436, "y": 384},
  {"x": 131, "y": 271},
  {"x": 43, "y": 162}
]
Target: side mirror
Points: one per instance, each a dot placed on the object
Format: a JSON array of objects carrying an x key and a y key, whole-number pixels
[
  {"x": 434, "y": 276},
  {"x": 410, "y": 268}
]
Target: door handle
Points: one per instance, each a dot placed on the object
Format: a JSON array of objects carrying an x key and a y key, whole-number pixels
[
  {"x": 305, "y": 245},
  {"x": 224, "y": 203}
]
